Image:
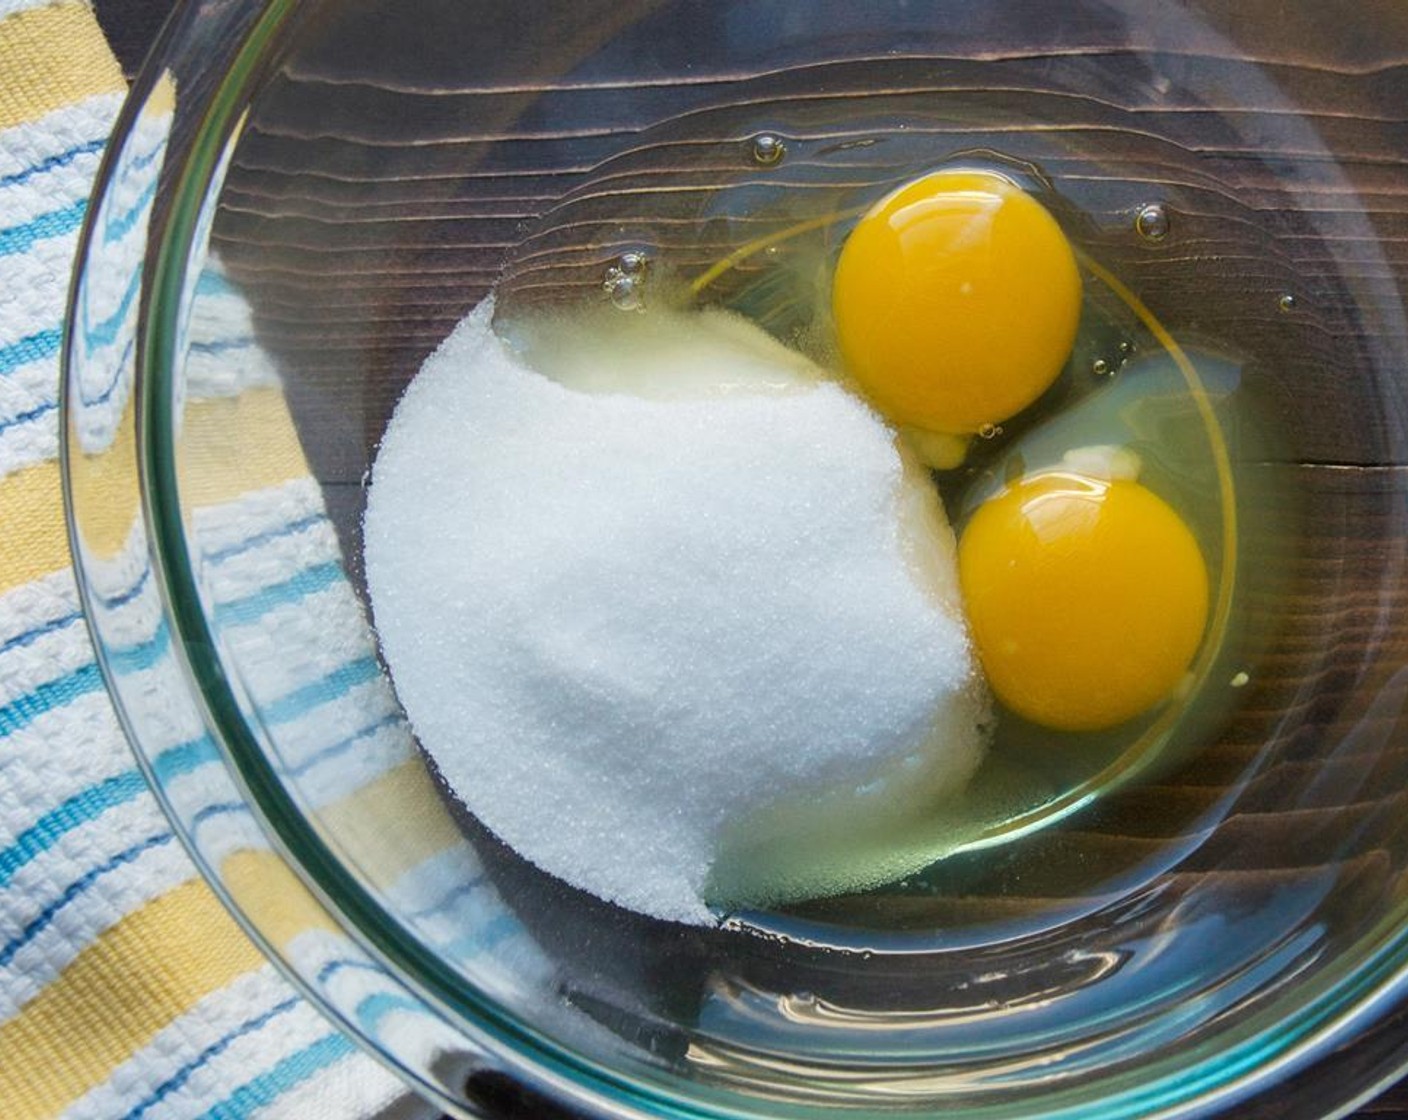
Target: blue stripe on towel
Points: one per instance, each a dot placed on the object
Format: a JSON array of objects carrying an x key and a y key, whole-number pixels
[
  {"x": 286, "y": 530},
  {"x": 145, "y": 158},
  {"x": 219, "y": 809},
  {"x": 31, "y": 348},
  {"x": 284, "y": 1075},
  {"x": 250, "y": 608},
  {"x": 214, "y": 1050},
  {"x": 104, "y": 332},
  {"x": 211, "y": 283},
  {"x": 461, "y": 890},
  {"x": 113, "y": 382},
  {"x": 372, "y": 1009},
  {"x": 183, "y": 758},
  {"x": 25, "y": 417},
  {"x": 52, "y": 163},
  {"x": 82, "y": 807},
  {"x": 339, "y": 682},
  {"x": 74, "y": 890},
  {"x": 222, "y": 345},
  {"x": 122, "y": 598},
  {"x": 342, "y": 745},
  {"x": 24, "y": 710},
  {"x": 483, "y": 940},
  {"x": 34, "y": 633},
  {"x": 139, "y": 658},
  {"x": 54, "y": 223},
  {"x": 89, "y": 803},
  {"x": 118, "y": 226},
  {"x": 332, "y": 968}
]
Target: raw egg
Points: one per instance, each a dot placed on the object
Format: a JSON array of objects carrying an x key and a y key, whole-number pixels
[
  {"x": 956, "y": 301},
  {"x": 1087, "y": 598}
]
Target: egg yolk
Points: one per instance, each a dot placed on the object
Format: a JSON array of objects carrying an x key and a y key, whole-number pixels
[
  {"x": 1086, "y": 598},
  {"x": 956, "y": 301}
]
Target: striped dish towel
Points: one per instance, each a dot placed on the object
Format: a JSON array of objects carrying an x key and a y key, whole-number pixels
[{"x": 125, "y": 989}]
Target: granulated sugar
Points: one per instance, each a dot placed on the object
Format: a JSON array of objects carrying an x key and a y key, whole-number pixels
[{"x": 636, "y": 629}]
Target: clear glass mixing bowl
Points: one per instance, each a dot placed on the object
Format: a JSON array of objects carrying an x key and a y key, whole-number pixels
[{"x": 300, "y": 202}]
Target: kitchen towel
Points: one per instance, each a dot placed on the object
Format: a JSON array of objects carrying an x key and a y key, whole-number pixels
[{"x": 125, "y": 989}]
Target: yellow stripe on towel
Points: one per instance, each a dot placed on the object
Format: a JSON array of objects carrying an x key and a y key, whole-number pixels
[
  {"x": 51, "y": 57},
  {"x": 35, "y": 544},
  {"x": 231, "y": 446},
  {"x": 266, "y": 888},
  {"x": 236, "y": 445},
  {"x": 383, "y": 829},
  {"x": 391, "y": 824},
  {"x": 137, "y": 977}
]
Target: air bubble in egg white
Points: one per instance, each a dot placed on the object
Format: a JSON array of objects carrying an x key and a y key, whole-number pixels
[{"x": 1152, "y": 222}]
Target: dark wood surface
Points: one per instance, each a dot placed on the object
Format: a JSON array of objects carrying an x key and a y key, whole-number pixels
[{"x": 1341, "y": 458}]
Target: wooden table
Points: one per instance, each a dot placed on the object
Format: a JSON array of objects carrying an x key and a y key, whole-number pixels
[{"x": 1379, "y": 167}]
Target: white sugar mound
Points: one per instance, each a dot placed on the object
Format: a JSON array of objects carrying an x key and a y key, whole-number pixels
[{"x": 670, "y": 645}]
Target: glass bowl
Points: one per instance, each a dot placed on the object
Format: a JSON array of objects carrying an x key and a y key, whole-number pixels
[{"x": 303, "y": 199}]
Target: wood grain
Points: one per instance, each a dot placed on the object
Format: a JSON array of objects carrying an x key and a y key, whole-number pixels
[{"x": 391, "y": 172}]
